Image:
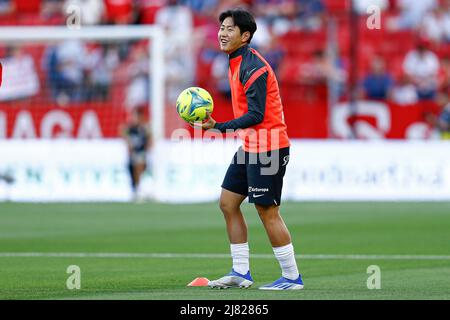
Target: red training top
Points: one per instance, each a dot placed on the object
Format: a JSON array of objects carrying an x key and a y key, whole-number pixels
[{"x": 256, "y": 100}]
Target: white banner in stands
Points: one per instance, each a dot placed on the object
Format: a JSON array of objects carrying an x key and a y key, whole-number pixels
[
  {"x": 64, "y": 170},
  {"x": 77, "y": 170},
  {"x": 318, "y": 170},
  {"x": 369, "y": 170}
]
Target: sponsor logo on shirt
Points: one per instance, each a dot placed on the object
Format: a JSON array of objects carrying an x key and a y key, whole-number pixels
[{"x": 252, "y": 189}]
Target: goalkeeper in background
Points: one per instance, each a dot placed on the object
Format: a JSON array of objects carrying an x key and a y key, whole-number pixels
[
  {"x": 257, "y": 169},
  {"x": 137, "y": 135}
]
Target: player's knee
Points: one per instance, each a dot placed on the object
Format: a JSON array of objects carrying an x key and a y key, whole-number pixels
[
  {"x": 226, "y": 206},
  {"x": 267, "y": 213}
]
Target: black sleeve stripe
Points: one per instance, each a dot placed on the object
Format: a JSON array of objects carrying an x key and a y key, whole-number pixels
[
  {"x": 249, "y": 65},
  {"x": 256, "y": 96}
]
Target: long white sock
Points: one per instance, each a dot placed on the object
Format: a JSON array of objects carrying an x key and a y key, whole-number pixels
[
  {"x": 286, "y": 258},
  {"x": 240, "y": 254}
]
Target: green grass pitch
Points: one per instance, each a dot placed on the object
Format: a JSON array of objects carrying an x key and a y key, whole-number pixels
[{"x": 412, "y": 230}]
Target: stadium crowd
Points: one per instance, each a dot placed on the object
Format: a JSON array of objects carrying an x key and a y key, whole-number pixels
[{"x": 409, "y": 65}]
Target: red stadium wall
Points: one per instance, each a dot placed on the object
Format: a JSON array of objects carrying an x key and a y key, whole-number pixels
[
  {"x": 385, "y": 120},
  {"x": 307, "y": 120},
  {"x": 92, "y": 121}
]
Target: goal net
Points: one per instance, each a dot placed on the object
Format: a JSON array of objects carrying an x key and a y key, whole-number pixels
[
  {"x": 81, "y": 86},
  {"x": 70, "y": 75}
]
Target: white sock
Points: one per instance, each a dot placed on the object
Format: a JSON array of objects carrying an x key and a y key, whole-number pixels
[
  {"x": 286, "y": 258},
  {"x": 240, "y": 254}
]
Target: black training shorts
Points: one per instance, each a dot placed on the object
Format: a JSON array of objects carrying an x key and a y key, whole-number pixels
[{"x": 258, "y": 175}]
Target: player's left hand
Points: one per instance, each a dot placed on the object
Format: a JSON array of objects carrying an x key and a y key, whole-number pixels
[{"x": 208, "y": 123}]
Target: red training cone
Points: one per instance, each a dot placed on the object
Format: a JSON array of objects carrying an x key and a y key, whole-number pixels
[{"x": 199, "y": 282}]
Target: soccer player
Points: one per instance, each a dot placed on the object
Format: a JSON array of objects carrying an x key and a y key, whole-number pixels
[
  {"x": 257, "y": 169},
  {"x": 7, "y": 178},
  {"x": 138, "y": 137}
]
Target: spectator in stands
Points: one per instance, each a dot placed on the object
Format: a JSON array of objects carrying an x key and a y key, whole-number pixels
[
  {"x": 6, "y": 7},
  {"x": 137, "y": 92},
  {"x": 411, "y": 14},
  {"x": 278, "y": 14},
  {"x": 377, "y": 84},
  {"x": 310, "y": 15},
  {"x": 20, "y": 79},
  {"x": 422, "y": 67},
  {"x": 263, "y": 36},
  {"x": 166, "y": 16},
  {"x": 65, "y": 67},
  {"x": 266, "y": 42},
  {"x": 100, "y": 62},
  {"x": 361, "y": 6},
  {"x": 321, "y": 70},
  {"x": 219, "y": 71},
  {"x": 92, "y": 11},
  {"x": 201, "y": 7},
  {"x": 436, "y": 25},
  {"x": 272, "y": 52},
  {"x": 52, "y": 10},
  {"x": 404, "y": 92}
]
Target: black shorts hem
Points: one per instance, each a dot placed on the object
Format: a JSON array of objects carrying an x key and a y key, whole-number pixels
[
  {"x": 231, "y": 189},
  {"x": 264, "y": 202}
]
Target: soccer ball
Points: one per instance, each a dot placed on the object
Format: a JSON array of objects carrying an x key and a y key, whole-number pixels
[{"x": 193, "y": 103}]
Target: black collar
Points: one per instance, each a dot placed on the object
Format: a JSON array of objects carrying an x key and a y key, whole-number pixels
[{"x": 238, "y": 52}]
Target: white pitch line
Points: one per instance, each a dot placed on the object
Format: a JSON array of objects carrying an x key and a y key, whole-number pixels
[{"x": 218, "y": 256}]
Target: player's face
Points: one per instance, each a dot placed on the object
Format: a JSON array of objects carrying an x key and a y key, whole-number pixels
[{"x": 230, "y": 37}]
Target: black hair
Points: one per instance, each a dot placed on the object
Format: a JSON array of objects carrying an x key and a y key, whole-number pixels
[{"x": 241, "y": 18}]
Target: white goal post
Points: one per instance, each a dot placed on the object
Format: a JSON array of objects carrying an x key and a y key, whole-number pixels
[{"x": 152, "y": 33}]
